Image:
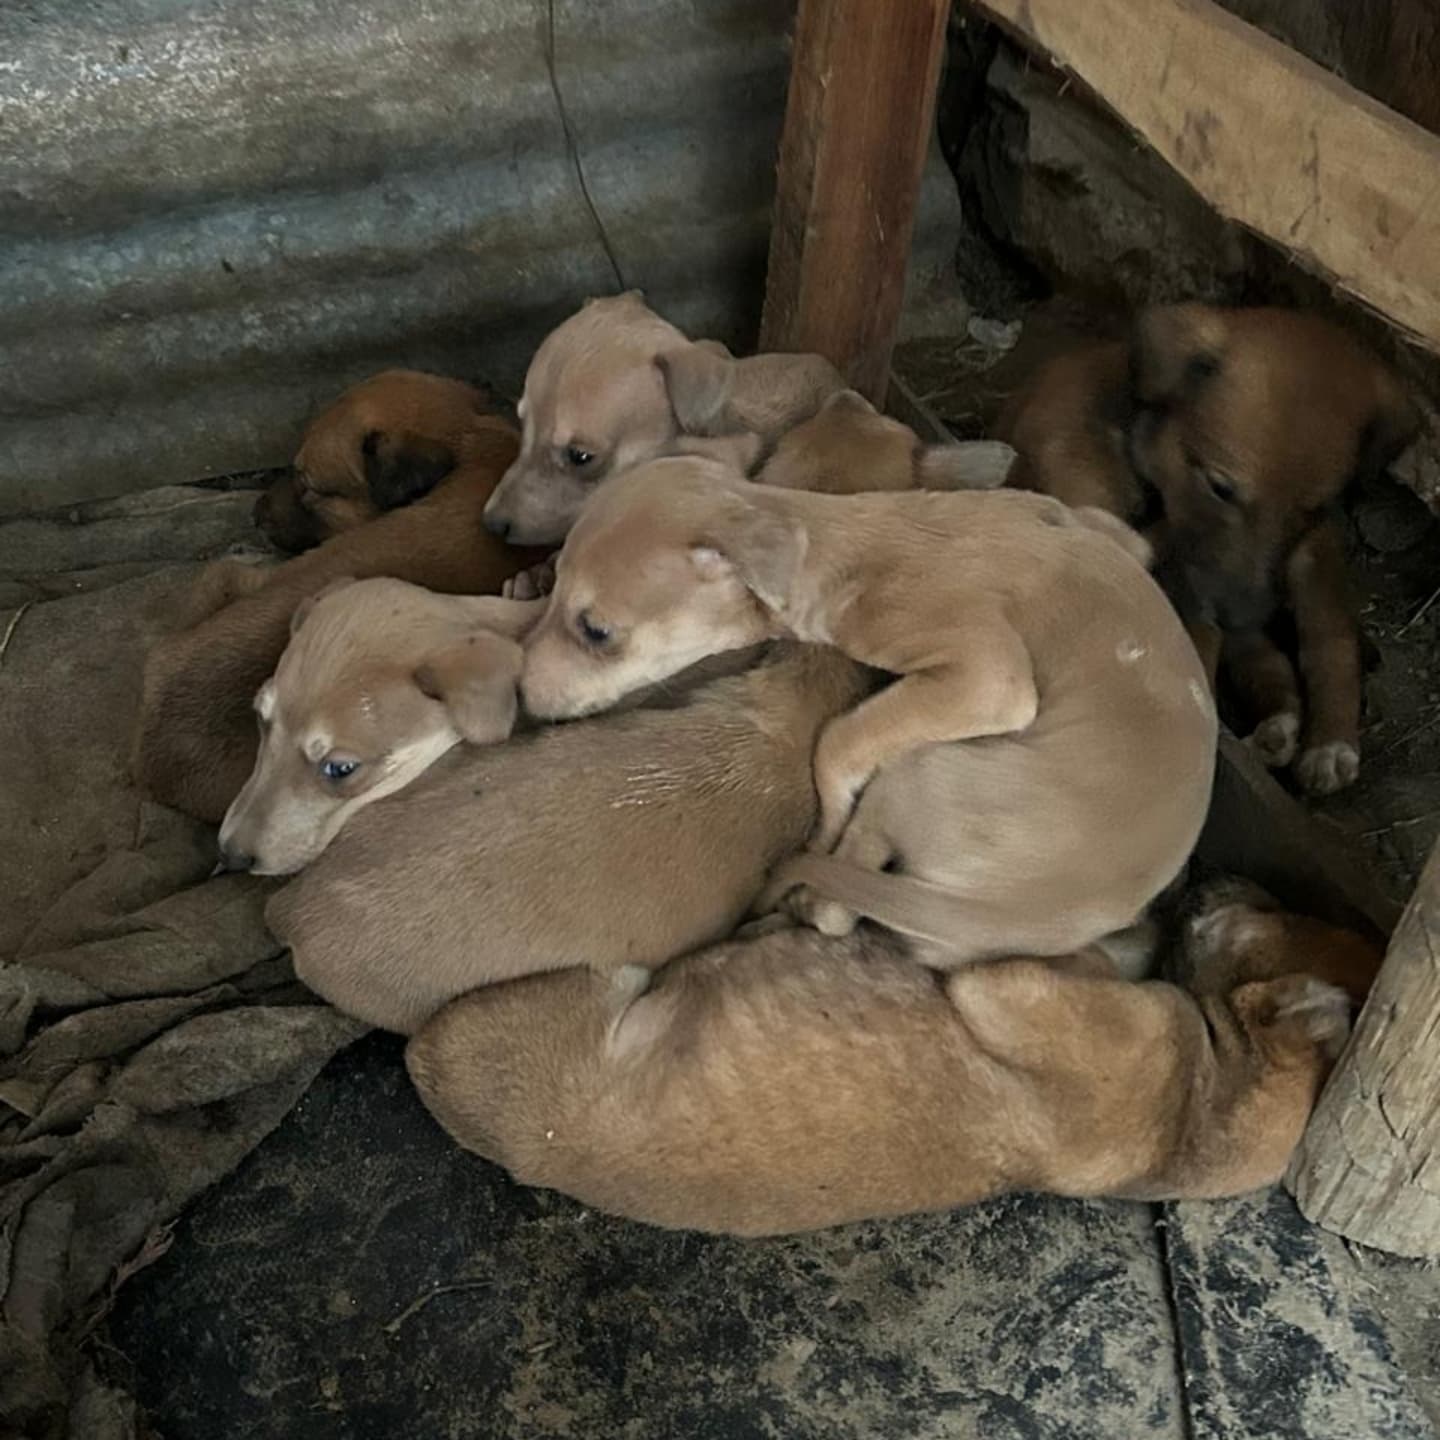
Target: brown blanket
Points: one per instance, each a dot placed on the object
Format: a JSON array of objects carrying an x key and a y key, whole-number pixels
[{"x": 151, "y": 1031}]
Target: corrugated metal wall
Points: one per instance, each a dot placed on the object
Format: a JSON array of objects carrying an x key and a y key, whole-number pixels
[{"x": 215, "y": 213}]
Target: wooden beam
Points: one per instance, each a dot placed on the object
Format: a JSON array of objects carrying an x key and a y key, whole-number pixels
[
  {"x": 1272, "y": 141},
  {"x": 857, "y": 125},
  {"x": 1369, "y": 1164}
]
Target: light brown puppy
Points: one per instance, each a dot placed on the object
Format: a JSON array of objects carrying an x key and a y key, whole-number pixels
[
  {"x": 415, "y": 424},
  {"x": 849, "y": 448},
  {"x": 617, "y": 385},
  {"x": 789, "y": 1082},
  {"x": 196, "y": 740},
  {"x": 624, "y": 840},
  {"x": 1022, "y": 629},
  {"x": 379, "y": 680},
  {"x": 1227, "y": 436}
]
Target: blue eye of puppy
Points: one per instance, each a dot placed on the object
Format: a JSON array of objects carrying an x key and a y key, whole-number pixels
[
  {"x": 592, "y": 632},
  {"x": 577, "y": 457},
  {"x": 338, "y": 769}
]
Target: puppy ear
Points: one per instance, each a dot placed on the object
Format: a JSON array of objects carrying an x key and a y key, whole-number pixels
[
  {"x": 1175, "y": 350},
  {"x": 741, "y": 450},
  {"x": 762, "y": 549},
  {"x": 301, "y": 612},
  {"x": 401, "y": 468},
  {"x": 475, "y": 681},
  {"x": 972, "y": 465},
  {"x": 848, "y": 399},
  {"x": 698, "y": 379}
]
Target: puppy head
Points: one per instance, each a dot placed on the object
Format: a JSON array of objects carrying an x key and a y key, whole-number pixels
[
  {"x": 380, "y": 679},
  {"x": 1249, "y": 425},
  {"x": 385, "y": 443},
  {"x": 594, "y": 405},
  {"x": 848, "y": 447},
  {"x": 1236, "y": 932},
  {"x": 669, "y": 564}
]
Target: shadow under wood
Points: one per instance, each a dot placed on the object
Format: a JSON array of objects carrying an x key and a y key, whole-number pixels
[{"x": 1257, "y": 830}]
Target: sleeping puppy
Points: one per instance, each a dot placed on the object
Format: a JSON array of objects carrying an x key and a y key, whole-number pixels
[
  {"x": 379, "y": 680},
  {"x": 849, "y": 448},
  {"x": 425, "y": 419},
  {"x": 789, "y": 1081},
  {"x": 1028, "y": 632},
  {"x": 195, "y": 741},
  {"x": 1227, "y": 438},
  {"x": 617, "y": 385},
  {"x": 624, "y": 840}
]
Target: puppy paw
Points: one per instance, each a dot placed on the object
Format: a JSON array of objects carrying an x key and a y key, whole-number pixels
[
  {"x": 532, "y": 584},
  {"x": 1324, "y": 769},
  {"x": 1276, "y": 740},
  {"x": 829, "y": 917},
  {"x": 1322, "y": 1011}
]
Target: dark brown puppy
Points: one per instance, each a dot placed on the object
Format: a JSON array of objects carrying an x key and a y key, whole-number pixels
[
  {"x": 196, "y": 739},
  {"x": 332, "y": 487},
  {"x": 1226, "y": 436},
  {"x": 791, "y": 1081}
]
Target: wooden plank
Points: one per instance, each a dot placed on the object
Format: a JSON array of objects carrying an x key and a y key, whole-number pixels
[
  {"x": 1272, "y": 141},
  {"x": 1369, "y": 1164},
  {"x": 857, "y": 124}
]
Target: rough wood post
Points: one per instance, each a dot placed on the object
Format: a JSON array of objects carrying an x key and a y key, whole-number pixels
[
  {"x": 1369, "y": 1164},
  {"x": 857, "y": 124}
]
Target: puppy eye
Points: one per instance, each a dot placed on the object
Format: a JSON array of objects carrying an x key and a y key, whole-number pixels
[
  {"x": 577, "y": 457},
  {"x": 1221, "y": 488},
  {"x": 592, "y": 632},
  {"x": 337, "y": 770}
]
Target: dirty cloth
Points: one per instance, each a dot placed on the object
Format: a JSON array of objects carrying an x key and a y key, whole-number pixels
[{"x": 151, "y": 1031}]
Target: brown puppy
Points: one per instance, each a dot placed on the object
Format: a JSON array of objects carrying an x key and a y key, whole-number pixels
[
  {"x": 621, "y": 841},
  {"x": 849, "y": 448},
  {"x": 379, "y": 680},
  {"x": 617, "y": 385},
  {"x": 196, "y": 740},
  {"x": 1014, "y": 624},
  {"x": 415, "y": 424},
  {"x": 790, "y": 1081},
  {"x": 1226, "y": 437}
]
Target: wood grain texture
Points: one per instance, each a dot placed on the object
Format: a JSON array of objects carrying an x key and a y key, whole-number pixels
[
  {"x": 1272, "y": 141},
  {"x": 857, "y": 124},
  {"x": 1369, "y": 1164}
]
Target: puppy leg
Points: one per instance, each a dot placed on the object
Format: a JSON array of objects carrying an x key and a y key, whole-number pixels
[
  {"x": 989, "y": 689},
  {"x": 1329, "y": 661},
  {"x": 1269, "y": 693}
]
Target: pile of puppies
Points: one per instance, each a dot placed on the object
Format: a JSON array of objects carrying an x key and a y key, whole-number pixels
[{"x": 816, "y": 673}]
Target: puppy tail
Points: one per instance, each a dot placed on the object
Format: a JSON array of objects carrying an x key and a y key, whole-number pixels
[{"x": 899, "y": 902}]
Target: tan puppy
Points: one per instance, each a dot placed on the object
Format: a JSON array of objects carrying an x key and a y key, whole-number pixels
[
  {"x": 196, "y": 741},
  {"x": 1227, "y": 436},
  {"x": 617, "y": 385},
  {"x": 1013, "y": 623},
  {"x": 849, "y": 448},
  {"x": 417, "y": 427},
  {"x": 621, "y": 841},
  {"x": 790, "y": 1081},
  {"x": 379, "y": 680}
]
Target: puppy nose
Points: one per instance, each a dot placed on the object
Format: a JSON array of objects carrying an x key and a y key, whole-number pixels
[
  {"x": 497, "y": 525},
  {"x": 234, "y": 859}
]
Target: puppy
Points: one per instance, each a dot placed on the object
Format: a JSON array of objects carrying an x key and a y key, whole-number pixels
[
  {"x": 620, "y": 841},
  {"x": 1022, "y": 628},
  {"x": 196, "y": 741},
  {"x": 418, "y": 427},
  {"x": 379, "y": 680},
  {"x": 790, "y": 1081},
  {"x": 848, "y": 448},
  {"x": 617, "y": 385},
  {"x": 1227, "y": 437}
]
